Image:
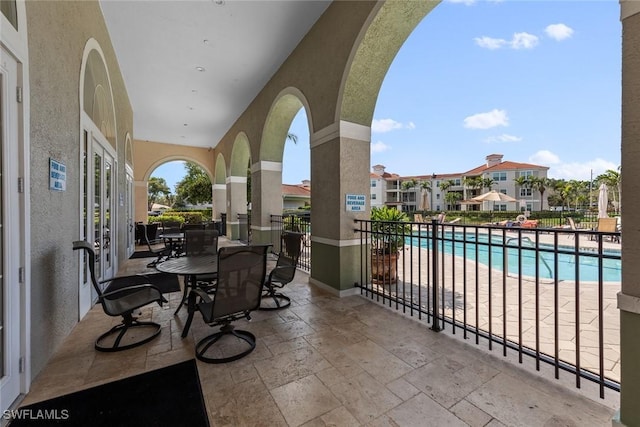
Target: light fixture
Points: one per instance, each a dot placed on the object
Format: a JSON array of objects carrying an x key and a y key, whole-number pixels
[
  {"x": 219, "y": 2},
  {"x": 201, "y": 69},
  {"x": 186, "y": 124}
]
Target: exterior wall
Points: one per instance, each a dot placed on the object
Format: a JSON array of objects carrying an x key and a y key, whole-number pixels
[
  {"x": 629, "y": 298},
  {"x": 379, "y": 190},
  {"x": 55, "y": 55}
]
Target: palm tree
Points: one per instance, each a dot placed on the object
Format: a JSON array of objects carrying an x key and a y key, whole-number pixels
[
  {"x": 540, "y": 185},
  {"x": 612, "y": 179},
  {"x": 472, "y": 183},
  {"x": 425, "y": 187},
  {"x": 522, "y": 182},
  {"x": 488, "y": 183},
  {"x": 444, "y": 187}
]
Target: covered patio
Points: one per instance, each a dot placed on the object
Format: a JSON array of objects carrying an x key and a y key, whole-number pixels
[{"x": 335, "y": 361}]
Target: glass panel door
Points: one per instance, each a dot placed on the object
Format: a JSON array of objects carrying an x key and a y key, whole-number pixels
[{"x": 103, "y": 209}]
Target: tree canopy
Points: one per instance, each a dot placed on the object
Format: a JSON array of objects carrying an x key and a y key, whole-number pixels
[{"x": 195, "y": 187}]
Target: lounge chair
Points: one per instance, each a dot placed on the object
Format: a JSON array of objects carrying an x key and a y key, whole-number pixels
[
  {"x": 418, "y": 218},
  {"x": 608, "y": 225}
]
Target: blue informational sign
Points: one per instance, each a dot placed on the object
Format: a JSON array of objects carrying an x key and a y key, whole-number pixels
[
  {"x": 57, "y": 176},
  {"x": 356, "y": 202}
]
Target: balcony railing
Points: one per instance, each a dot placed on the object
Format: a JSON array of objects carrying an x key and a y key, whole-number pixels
[
  {"x": 547, "y": 294},
  {"x": 300, "y": 223}
]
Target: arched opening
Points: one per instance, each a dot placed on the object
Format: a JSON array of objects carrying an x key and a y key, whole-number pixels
[
  {"x": 98, "y": 163},
  {"x": 268, "y": 189}
]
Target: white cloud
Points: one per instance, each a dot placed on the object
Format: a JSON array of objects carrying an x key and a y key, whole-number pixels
[
  {"x": 558, "y": 31},
  {"x": 465, "y": 2},
  {"x": 544, "y": 158},
  {"x": 518, "y": 41},
  {"x": 505, "y": 137},
  {"x": 490, "y": 43},
  {"x": 387, "y": 125},
  {"x": 487, "y": 120},
  {"x": 379, "y": 147},
  {"x": 524, "y": 41},
  {"x": 571, "y": 170}
]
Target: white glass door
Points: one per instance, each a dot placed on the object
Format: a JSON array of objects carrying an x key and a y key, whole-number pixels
[
  {"x": 103, "y": 210},
  {"x": 10, "y": 302}
]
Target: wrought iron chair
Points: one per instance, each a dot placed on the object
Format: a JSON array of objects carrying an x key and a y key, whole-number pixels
[
  {"x": 161, "y": 252},
  {"x": 122, "y": 302},
  {"x": 241, "y": 272},
  {"x": 283, "y": 273}
]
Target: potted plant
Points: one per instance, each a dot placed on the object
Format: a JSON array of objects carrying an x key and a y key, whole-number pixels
[{"x": 389, "y": 227}]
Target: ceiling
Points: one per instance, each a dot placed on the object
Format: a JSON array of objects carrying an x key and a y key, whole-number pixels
[{"x": 192, "y": 67}]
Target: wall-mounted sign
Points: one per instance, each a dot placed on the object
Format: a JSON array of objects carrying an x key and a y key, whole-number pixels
[
  {"x": 356, "y": 202},
  {"x": 57, "y": 176}
]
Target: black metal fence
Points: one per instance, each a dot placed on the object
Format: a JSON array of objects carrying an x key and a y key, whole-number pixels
[
  {"x": 548, "y": 294},
  {"x": 300, "y": 223}
]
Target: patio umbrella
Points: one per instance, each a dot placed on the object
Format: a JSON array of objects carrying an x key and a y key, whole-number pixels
[
  {"x": 603, "y": 201},
  {"x": 494, "y": 196}
]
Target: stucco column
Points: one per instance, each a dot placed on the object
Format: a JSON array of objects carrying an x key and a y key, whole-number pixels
[
  {"x": 140, "y": 201},
  {"x": 219, "y": 192},
  {"x": 236, "y": 204},
  {"x": 629, "y": 298},
  {"x": 266, "y": 198},
  {"x": 340, "y": 157}
]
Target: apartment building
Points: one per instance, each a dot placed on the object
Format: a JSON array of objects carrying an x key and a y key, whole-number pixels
[{"x": 454, "y": 191}]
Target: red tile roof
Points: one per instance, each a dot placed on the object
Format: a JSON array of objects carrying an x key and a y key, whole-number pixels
[
  {"x": 506, "y": 165},
  {"x": 295, "y": 190}
]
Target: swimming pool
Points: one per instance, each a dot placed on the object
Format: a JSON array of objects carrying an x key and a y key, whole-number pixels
[{"x": 480, "y": 249}]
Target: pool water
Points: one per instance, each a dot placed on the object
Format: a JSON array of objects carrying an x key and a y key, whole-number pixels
[{"x": 588, "y": 262}]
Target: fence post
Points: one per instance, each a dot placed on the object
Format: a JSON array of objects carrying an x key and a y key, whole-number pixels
[{"x": 434, "y": 275}]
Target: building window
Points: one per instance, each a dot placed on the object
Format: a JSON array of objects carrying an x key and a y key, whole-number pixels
[
  {"x": 373, "y": 196},
  {"x": 525, "y": 192},
  {"x": 374, "y": 183},
  {"x": 438, "y": 196},
  {"x": 456, "y": 181},
  {"x": 499, "y": 176},
  {"x": 500, "y": 207},
  {"x": 503, "y": 191},
  {"x": 526, "y": 174}
]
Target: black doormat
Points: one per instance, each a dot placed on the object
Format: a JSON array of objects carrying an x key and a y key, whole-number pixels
[
  {"x": 169, "y": 396},
  {"x": 166, "y": 282},
  {"x": 143, "y": 254}
]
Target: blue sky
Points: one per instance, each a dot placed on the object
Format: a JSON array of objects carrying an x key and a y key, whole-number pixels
[{"x": 537, "y": 81}]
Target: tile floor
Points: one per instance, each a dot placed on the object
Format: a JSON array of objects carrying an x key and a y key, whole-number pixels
[{"x": 329, "y": 361}]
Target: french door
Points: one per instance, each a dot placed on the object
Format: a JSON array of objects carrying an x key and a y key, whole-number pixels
[
  {"x": 99, "y": 211},
  {"x": 10, "y": 211}
]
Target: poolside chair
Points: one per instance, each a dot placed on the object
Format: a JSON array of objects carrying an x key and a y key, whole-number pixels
[
  {"x": 418, "y": 218},
  {"x": 241, "y": 273},
  {"x": 157, "y": 247},
  {"x": 283, "y": 273},
  {"x": 608, "y": 225},
  {"x": 137, "y": 293}
]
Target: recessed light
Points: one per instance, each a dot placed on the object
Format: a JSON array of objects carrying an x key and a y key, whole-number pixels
[
  {"x": 219, "y": 2},
  {"x": 186, "y": 124},
  {"x": 194, "y": 91},
  {"x": 200, "y": 69}
]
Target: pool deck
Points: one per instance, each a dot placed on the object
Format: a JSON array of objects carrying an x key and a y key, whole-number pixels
[{"x": 512, "y": 303}]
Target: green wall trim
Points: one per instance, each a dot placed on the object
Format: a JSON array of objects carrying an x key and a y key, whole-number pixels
[
  {"x": 629, "y": 368},
  {"x": 335, "y": 266}
]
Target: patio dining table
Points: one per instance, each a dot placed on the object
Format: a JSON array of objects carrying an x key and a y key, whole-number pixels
[
  {"x": 190, "y": 267},
  {"x": 174, "y": 241}
]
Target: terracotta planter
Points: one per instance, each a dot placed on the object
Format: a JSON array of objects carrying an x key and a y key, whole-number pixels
[{"x": 383, "y": 268}]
